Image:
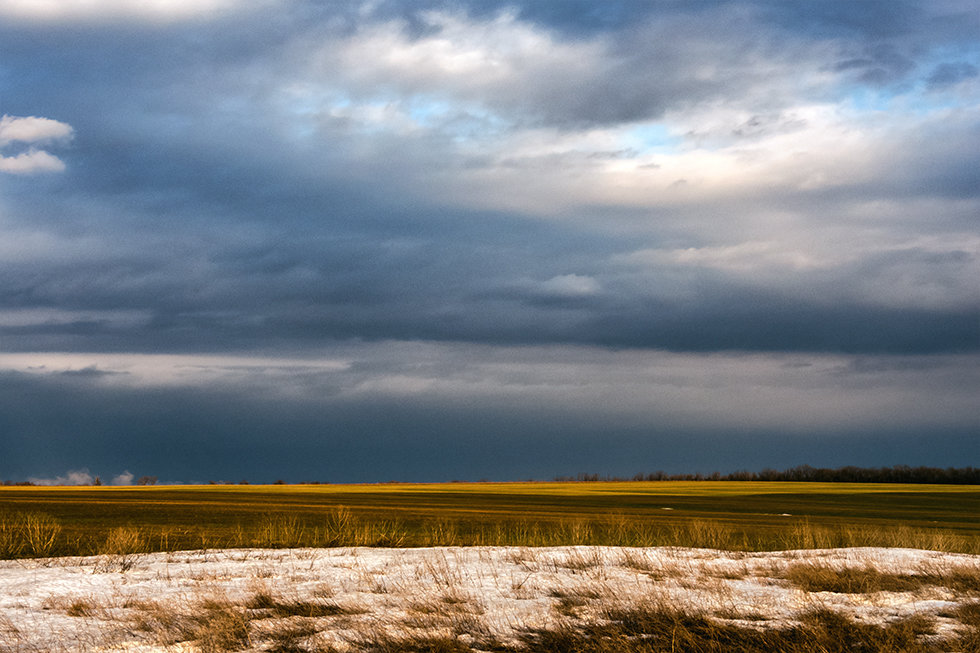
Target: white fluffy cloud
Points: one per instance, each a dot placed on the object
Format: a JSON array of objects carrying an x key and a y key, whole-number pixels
[
  {"x": 126, "y": 478},
  {"x": 31, "y": 162},
  {"x": 32, "y": 131}
]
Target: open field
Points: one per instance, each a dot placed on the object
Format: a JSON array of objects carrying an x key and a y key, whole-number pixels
[
  {"x": 747, "y": 516},
  {"x": 503, "y": 599},
  {"x": 511, "y": 568}
]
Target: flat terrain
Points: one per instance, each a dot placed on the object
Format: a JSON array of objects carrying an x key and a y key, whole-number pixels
[
  {"x": 722, "y": 515},
  {"x": 501, "y": 599}
]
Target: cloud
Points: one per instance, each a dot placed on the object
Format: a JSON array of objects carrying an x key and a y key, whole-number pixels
[
  {"x": 443, "y": 410},
  {"x": 733, "y": 258},
  {"x": 126, "y": 478},
  {"x": 570, "y": 285},
  {"x": 525, "y": 73},
  {"x": 32, "y": 130},
  {"x": 31, "y": 162},
  {"x": 73, "y": 477},
  {"x": 255, "y": 188},
  {"x": 65, "y": 10},
  {"x": 949, "y": 73},
  {"x": 765, "y": 390}
]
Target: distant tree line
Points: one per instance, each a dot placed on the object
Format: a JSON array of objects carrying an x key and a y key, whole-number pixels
[
  {"x": 806, "y": 473},
  {"x": 801, "y": 473}
]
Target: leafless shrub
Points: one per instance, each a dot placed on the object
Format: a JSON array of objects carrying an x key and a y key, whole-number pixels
[
  {"x": 122, "y": 549},
  {"x": 11, "y": 541},
  {"x": 32, "y": 534}
]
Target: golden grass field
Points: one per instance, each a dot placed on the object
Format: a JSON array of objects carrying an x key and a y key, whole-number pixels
[{"x": 39, "y": 521}]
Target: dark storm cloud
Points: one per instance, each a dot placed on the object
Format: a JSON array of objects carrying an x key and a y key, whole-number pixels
[{"x": 59, "y": 423}]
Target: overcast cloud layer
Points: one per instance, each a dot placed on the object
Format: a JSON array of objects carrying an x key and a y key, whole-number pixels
[{"x": 365, "y": 241}]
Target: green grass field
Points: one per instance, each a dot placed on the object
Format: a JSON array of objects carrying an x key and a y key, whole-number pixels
[{"x": 37, "y": 521}]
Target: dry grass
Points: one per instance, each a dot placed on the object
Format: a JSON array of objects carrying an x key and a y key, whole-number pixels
[
  {"x": 214, "y": 624},
  {"x": 723, "y": 515},
  {"x": 578, "y": 560},
  {"x": 656, "y": 629},
  {"x": 868, "y": 580},
  {"x": 28, "y": 534},
  {"x": 265, "y": 605},
  {"x": 660, "y": 629},
  {"x": 294, "y": 637},
  {"x": 637, "y": 560},
  {"x": 969, "y": 614},
  {"x": 220, "y": 626},
  {"x": 122, "y": 548},
  {"x": 75, "y": 606},
  {"x": 381, "y": 643},
  {"x": 427, "y": 523},
  {"x": 586, "y": 617},
  {"x": 817, "y": 577},
  {"x": 80, "y": 608}
]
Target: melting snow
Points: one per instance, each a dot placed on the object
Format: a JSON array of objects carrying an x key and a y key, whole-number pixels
[{"x": 504, "y": 589}]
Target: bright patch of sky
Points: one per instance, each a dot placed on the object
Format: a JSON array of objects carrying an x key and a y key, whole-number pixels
[{"x": 652, "y": 138}]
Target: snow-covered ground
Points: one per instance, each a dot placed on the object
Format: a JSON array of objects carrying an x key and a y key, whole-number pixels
[{"x": 124, "y": 603}]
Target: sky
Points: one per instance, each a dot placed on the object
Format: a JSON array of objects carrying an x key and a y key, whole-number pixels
[{"x": 354, "y": 241}]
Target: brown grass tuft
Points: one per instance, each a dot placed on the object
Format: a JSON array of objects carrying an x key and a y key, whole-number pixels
[
  {"x": 80, "y": 608},
  {"x": 268, "y": 606},
  {"x": 817, "y": 577}
]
